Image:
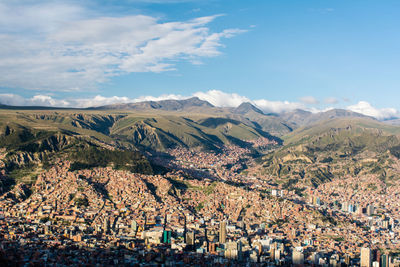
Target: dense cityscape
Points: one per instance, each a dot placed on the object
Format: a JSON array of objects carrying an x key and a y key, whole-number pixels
[
  {"x": 205, "y": 211},
  {"x": 221, "y": 133}
]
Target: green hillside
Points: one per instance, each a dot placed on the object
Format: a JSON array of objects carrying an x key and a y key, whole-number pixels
[
  {"x": 43, "y": 131},
  {"x": 161, "y": 132},
  {"x": 334, "y": 149}
]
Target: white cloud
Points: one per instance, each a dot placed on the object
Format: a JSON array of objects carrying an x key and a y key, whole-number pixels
[
  {"x": 37, "y": 100},
  {"x": 215, "y": 97},
  {"x": 277, "y": 106},
  {"x": 366, "y": 108},
  {"x": 159, "y": 98},
  {"x": 222, "y": 99},
  {"x": 12, "y": 100},
  {"x": 98, "y": 101},
  {"x": 310, "y": 100},
  {"x": 55, "y": 46}
]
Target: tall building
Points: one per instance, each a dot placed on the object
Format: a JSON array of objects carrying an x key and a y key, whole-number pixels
[
  {"x": 297, "y": 257},
  {"x": 359, "y": 210},
  {"x": 315, "y": 258},
  {"x": 385, "y": 224},
  {"x": 370, "y": 210},
  {"x": 347, "y": 259},
  {"x": 190, "y": 238},
  {"x": 277, "y": 255},
  {"x": 165, "y": 221},
  {"x": 166, "y": 237},
  {"x": 134, "y": 227},
  {"x": 316, "y": 201},
  {"x": 206, "y": 237},
  {"x": 365, "y": 257},
  {"x": 106, "y": 225},
  {"x": 345, "y": 206},
  {"x": 351, "y": 208},
  {"x": 233, "y": 250},
  {"x": 222, "y": 232},
  {"x": 271, "y": 253},
  {"x": 385, "y": 260},
  {"x": 185, "y": 228}
]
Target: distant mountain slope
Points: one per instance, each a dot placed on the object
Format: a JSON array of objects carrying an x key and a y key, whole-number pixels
[
  {"x": 102, "y": 119},
  {"x": 392, "y": 122},
  {"x": 162, "y": 132},
  {"x": 246, "y": 113},
  {"x": 333, "y": 149},
  {"x": 353, "y": 124},
  {"x": 91, "y": 138},
  {"x": 300, "y": 117},
  {"x": 130, "y": 130},
  {"x": 168, "y": 105}
]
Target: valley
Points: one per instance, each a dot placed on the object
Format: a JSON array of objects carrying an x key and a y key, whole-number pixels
[{"x": 174, "y": 178}]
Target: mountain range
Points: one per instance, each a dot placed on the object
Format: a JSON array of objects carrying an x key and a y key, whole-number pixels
[
  {"x": 290, "y": 119},
  {"x": 296, "y": 140}
]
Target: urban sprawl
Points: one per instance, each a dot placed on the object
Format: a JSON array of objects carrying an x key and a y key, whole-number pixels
[{"x": 205, "y": 211}]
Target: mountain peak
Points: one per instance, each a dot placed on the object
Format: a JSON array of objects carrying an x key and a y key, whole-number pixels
[
  {"x": 246, "y": 107},
  {"x": 337, "y": 112},
  {"x": 195, "y": 101},
  {"x": 167, "y": 104}
]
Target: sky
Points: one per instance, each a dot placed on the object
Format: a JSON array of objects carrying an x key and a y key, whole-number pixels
[{"x": 278, "y": 55}]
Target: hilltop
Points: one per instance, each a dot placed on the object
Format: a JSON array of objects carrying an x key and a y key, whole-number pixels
[
  {"x": 191, "y": 104},
  {"x": 299, "y": 118}
]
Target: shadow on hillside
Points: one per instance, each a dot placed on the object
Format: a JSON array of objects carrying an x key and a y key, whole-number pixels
[{"x": 165, "y": 162}]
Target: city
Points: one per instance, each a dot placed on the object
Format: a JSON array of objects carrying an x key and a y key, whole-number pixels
[
  {"x": 223, "y": 133},
  {"x": 217, "y": 217}
]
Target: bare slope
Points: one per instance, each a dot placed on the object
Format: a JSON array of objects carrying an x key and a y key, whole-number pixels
[{"x": 333, "y": 149}]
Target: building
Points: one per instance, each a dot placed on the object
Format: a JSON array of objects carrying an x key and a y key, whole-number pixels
[
  {"x": 351, "y": 208},
  {"x": 134, "y": 227},
  {"x": 365, "y": 257},
  {"x": 370, "y": 210},
  {"x": 167, "y": 237},
  {"x": 345, "y": 206},
  {"x": 190, "y": 238},
  {"x": 297, "y": 257},
  {"x": 233, "y": 250},
  {"x": 385, "y": 260},
  {"x": 222, "y": 232},
  {"x": 106, "y": 225}
]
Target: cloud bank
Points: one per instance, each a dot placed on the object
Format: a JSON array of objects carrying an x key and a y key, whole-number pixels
[
  {"x": 366, "y": 108},
  {"x": 222, "y": 99},
  {"x": 66, "y": 47},
  {"x": 215, "y": 97}
]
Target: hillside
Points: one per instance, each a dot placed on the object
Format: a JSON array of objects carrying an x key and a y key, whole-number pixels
[
  {"x": 246, "y": 113},
  {"x": 311, "y": 154},
  {"x": 334, "y": 149},
  {"x": 28, "y": 135},
  {"x": 299, "y": 118}
]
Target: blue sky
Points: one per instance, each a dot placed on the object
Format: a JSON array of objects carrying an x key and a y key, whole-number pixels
[{"x": 278, "y": 54}]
